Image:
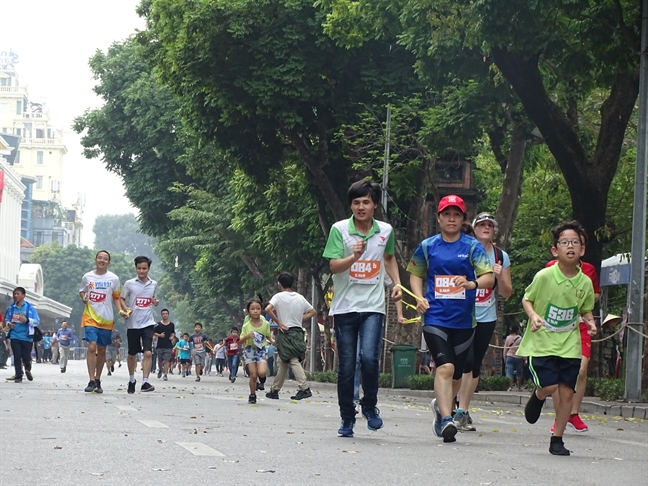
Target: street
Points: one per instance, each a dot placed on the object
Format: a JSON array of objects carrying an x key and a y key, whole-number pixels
[{"x": 187, "y": 432}]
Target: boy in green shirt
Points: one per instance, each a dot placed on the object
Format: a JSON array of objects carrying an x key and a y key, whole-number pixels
[{"x": 552, "y": 342}]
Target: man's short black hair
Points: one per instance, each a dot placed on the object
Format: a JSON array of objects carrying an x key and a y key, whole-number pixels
[
  {"x": 364, "y": 188},
  {"x": 102, "y": 251},
  {"x": 185, "y": 334},
  {"x": 285, "y": 280},
  {"x": 165, "y": 310},
  {"x": 21, "y": 290},
  {"x": 143, "y": 259},
  {"x": 570, "y": 225},
  {"x": 234, "y": 329},
  {"x": 198, "y": 324}
]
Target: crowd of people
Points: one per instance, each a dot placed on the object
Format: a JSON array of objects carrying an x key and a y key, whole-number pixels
[{"x": 455, "y": 277}]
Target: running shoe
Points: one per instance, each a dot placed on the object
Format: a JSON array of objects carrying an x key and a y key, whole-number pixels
[
  {"x": 301, "y": 394},
  {"x": 448, "y": 429},
  {"x": 436, "y": 419},
  {"x": 274, "y": 394},
  {"x": 557, "y": 447},
  {"x": 146, "y": 387},
  {"x": 29, "y": 375},
  {"x": 165, "y": 378},
  {"x": 17, "y": 380},
  {"x": 461, "y": 420},
  {"x": 374, "y": 422},
  {"x": 62, "y": 370},
  {"x": 346, "y": 427},
  {"x": 533, "y": 408},
  {"x": 159, "y": 374},
  {"x": 98, "y": 388},
  {"x": 131, "y": 387},
  {"x": 92, "y": 384},
  {"x": 184, "y": 375},
  {"x": 112, "y": 368},
  {"x": 577, "y": 424},
  {"x": 109, "y": 373},
  {"x": 260, "y": 386},
  {"x": 470, "y": 423},
  {"x": 11, "y": 378},
  {"x": 252, "y": 399},
  {"x": 197, "y": 378},
  {"x": 233, "y": 379}
]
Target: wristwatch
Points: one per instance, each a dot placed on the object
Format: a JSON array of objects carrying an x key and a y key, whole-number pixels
[{"x": 476, "y": 284}]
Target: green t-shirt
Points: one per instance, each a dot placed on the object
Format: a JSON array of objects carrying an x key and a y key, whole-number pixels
[
  {"x": 559, "y": 301},
  {"x": 362, "y": 287},
  {"x": 262, "y": 333}
]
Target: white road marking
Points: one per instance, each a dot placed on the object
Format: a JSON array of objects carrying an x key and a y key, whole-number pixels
[
  {"x": 154, "y": 424},
  {"x": 199, "y": 449},
  {"x": 126, "y": 408}
]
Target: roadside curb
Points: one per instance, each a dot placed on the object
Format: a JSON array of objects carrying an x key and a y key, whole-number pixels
[{"x": 591, "y": 405}]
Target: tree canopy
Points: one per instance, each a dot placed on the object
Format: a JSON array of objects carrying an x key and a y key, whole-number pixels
[{"x": 120, "y": 233}]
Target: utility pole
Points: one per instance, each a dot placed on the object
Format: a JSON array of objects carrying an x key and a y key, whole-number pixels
[
  {"x": 314, "y": 334},
  {"x": 636, "y": 288},
  {"x": 385, "y": 181}
]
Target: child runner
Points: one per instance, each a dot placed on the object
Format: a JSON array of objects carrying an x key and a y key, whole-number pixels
[
  {"x": 184, "y": 347},
  {"x": 454, "y": 266},
  {"x": 552, "y": 341},
  {"x": 292, "y": 310},
  {"x": 220, "y": 351},
  {"x": 254, "y": 336},
  {"x": 232, "y": 345},
  {"x": 198, "y": 341}
]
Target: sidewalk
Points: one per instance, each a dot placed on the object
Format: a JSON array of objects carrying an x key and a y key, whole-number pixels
[{"x": 591, "y": 405}]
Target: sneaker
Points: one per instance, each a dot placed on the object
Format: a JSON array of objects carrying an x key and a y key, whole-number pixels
[
  {"x": 448, "y": 430},
  {"x": 159, "y": 374},
  {"x": 109, "y": 373},
  {"x": 233, "y": 379},
  {"x": 301, "y": 394},
  {"x": 62, "y": 370},
  {"x": 98, "y": 388},
  {"x": 274, "y": 394},
  {"x": 146, "y": 387},
  {"x": 374, "y": 422},
  {"x": 346, "y": 428},
  {"x": 119, "y": 364},
  {"x": 131, "y": 387},
  {"x": 29, "y": 375},
  {"x": 470, "y": 423},
  {"x": 112, "y": 368},
  {"x": 436, "y": 419},
  {"x": 533, "y": 408},
  {"x": 165, "y": 378},
  {"x": 252, "y": 399},
  {"x": 11, "y": 378},
  {"x": 577, "y": 424},
  {"x": 461, "y": 420},
  {"x": 260, "y": 386},
  {"x": 17, "y": 380},
  {"x": 92, "y": 384},
  {"x": 557, "y": 447},
  {"x": 197, "y": 378},
  {"x": 553, "y": 427},
  {"x": 184, "y": 375}
]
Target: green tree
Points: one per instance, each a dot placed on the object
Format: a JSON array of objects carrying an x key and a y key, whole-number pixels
[{"x": 120, "y": 233}]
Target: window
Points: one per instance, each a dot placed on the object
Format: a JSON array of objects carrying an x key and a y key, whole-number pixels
[
  {"x": 19, "y": 107},
  {"x": 17, "y": 161},
  {"x": 19, "y": 132},
  {"x": 40, "y": 133},
  {"x": 39, "y": 182},
  {"x": 39, "y": 157},
  {"x": 4, "y": 81},
  {"x": 4, "y": 130},
  {"x": 4, "y": 109}
]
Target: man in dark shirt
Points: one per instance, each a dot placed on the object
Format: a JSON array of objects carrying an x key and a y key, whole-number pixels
[
  {"x": 165, "y": 332},
  {"x": 4, "y": 347}
]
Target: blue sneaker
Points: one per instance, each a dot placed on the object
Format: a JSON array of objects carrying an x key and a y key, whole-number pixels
[
  {"x": 436, "y": 419},
  {"x": 374, "y": 422},
  {"x": 448, "y": 429},
  {"x": 346, "y": 428}
]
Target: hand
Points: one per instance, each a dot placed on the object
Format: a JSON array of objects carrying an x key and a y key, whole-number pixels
[
  {"x": 283, "y": 327},
  {"x": 10, "y": 325},
  {"x": 592, "y": 327},
  {"x": 401, "y": 320},
  {"x": 537, "y": 322},
  {"x": 155, "y": 302},
  {"x": 464, "y": 283},
  {"x": 422, "y": 306},
  {"x": 22, "y": 318},
  {"x": 84, "y": 299},
  {"x": 358, "y": 249},
  {"x": 497, "y": 269},
  {"x": 397, "y": 293},
  {"x": 162, "y": 334}
]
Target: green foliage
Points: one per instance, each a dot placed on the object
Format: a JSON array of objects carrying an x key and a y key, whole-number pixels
[
  {"x": 609, "y": 389},
  {"x": 120, "y": 233},
  {"x": 385, "y": 380},
  {"x": 322, "y": 376},
  {"x": 494, "y": 383},
  {"x": 420, "y": 382}
]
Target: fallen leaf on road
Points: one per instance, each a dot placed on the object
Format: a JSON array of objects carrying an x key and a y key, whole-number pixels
[
  {"x": 351, "y": 452},
  {"x": 618, "y": 459},
  {"x": 265, "y": 470},
  {"x": 620, "y": 429},
  {"x": 97, "y": 474},
  {"x": 192, "y": 417},
  {"x": 195, "y": 431},
  {"x": 58, "y": 447},
  {"x": 161, "y": 469},
  {"x": 514, "y": 431},
  {"x": 495, "y": 430},
  {"x": 289, "y": 433},
  {"x": 160, "y": 441}
]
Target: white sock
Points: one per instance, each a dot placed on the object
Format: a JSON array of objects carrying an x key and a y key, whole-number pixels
[
  {"x": 144, "y": 380},
  {"x": 132, "y": 378}
]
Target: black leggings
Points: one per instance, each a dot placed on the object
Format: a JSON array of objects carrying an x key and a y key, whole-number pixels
[
  {"x": 22, "y": 356},
  {"x": 449, "y": 346},
  {"x": 483, "y": 333}
]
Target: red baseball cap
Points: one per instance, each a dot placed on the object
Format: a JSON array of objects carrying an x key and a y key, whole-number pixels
[{"x": 452, "y": 200}]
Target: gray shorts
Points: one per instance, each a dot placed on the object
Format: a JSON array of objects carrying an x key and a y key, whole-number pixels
[
  {"x": 199, "y": 359},
  {"x": 111, "y": 353},
  {"x": 164, "y": 354}
]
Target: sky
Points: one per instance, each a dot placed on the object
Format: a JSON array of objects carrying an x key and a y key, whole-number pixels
[{"x": 55, "y": 39}]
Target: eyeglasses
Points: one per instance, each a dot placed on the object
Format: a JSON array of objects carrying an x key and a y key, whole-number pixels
[{"x": 574, "y": 243}]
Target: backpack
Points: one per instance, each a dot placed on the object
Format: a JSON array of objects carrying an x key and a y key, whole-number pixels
[
  {"x": 499, "y": 258},
  {"x": 38, "y": 335}
]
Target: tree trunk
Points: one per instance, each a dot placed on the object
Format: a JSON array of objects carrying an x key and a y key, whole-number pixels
[
  {"x": 588, "y": 179},
  {"x": 229, "y": 310}
]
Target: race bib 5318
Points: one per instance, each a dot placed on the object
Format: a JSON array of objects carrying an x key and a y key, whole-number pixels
[
  {"x": 365, "y": 272},
  {"x": 444, "y": 288},
  {"x": 558, "y": 319}
]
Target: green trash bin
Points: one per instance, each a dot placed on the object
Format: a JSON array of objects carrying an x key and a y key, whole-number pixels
[{"x": 403, "y": 364}]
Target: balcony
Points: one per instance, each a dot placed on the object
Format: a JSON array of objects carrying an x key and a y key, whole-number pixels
[
  {"x": 12, "y": 89},
  {"x": 33, "y": 115},
  {"x": 41, "y": 141}
]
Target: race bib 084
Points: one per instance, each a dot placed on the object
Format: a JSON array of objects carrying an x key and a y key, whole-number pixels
[
  {"x": 558, "y": 319},
  {"x": 365, "y": 272},
  {"x": 444, "y": 288}
]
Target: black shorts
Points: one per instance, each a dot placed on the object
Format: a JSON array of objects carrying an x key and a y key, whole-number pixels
[
  {"x": 185, "y": 361},
  {"x": 140, "y": 340},
  {"x": 551, "y": 370},
  {"x": 449, "y": 346},
  {"x": 483, "y": 333}
]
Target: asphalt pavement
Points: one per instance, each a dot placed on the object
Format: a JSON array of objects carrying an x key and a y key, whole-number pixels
[{"x": 189, "y": 432}]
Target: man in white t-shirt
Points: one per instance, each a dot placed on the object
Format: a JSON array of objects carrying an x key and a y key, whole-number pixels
[
  {"x": 139, "y": 297},
  {"x": 291, "y": 310}
]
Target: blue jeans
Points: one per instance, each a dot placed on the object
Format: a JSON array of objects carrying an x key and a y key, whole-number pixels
[
  {"x": 353, "y": 331},
  {"x": 232, "y": 364},
  {"x": 356, "y": 378}
]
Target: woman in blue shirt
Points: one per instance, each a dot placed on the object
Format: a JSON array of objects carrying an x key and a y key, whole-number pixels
[{"x": 21, "y": 319}]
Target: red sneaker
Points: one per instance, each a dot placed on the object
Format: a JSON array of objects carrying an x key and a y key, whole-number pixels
[
  {"x": 577, "y": 424},
  {"x": 553, "y": 427}
]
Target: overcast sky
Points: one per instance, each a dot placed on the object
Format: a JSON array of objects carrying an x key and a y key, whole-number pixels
[{"x": 55, "y": 39}]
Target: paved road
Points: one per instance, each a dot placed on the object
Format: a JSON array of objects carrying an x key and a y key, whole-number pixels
[{"x": 187, "y": 433}]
